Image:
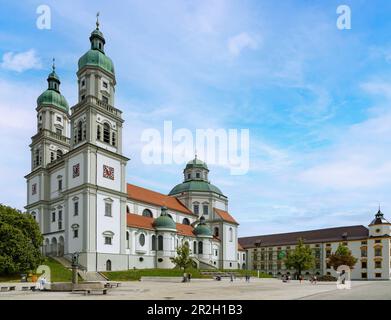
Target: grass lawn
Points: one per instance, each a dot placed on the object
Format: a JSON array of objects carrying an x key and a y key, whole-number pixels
[
  {"x": 58, "y": 273},
  {"x": 129, "y": 275}
]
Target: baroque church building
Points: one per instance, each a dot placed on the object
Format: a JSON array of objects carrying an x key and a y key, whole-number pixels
[{"x": 78, "y": 194}]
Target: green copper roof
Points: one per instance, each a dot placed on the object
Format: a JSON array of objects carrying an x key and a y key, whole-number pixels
[
  {"x": 96, "y": 58},
  {"x": 164, "y": 221},
  {"x": 202, "y": 230},
  {"x": 53, "y": 97},
  {"x": 195, "y": 185},
  {"x": 196, "y": 163}
]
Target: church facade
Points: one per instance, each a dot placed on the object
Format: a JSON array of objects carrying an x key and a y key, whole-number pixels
[{"x": 78, "y": 194}]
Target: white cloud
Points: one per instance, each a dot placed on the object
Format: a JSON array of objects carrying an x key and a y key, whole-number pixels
[
  {"x": 22, "y": 61},
  {"x": 241, "y": 41}
]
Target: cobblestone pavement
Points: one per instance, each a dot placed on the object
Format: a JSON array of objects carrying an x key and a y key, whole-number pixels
[{"x": 258, "y": 289}]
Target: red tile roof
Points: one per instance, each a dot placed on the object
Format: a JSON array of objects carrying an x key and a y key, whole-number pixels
[
  {"x": 156, "y": 198},
  {"x": 311, "y": 236},
  {"x": 225, "y": 216},
  {"x": 240, "y": 248},
  {"x": 185, "y": 230},
  {"x": 138, "y": 221}
]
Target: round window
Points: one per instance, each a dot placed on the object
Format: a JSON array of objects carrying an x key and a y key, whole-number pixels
[
  {"x": 142, "y": 239},
  {"x": 141, "y": 259},
  {"x": 377, "y": 230},
  {"x": 160, "y": 260}
]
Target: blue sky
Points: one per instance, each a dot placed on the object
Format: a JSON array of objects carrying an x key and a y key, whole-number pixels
[{"x": 316, "y": 99}]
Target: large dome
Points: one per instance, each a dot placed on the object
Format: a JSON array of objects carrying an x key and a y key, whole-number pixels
[
  {"x": 96, "y": 58},
  {"x": 195, "y": 185},
  {"x": 53, "y": 98}
]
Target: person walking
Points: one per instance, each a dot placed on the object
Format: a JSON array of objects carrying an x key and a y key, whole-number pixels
[
  {"x": 232, "y": 277},
  {"x": 189, "y": 276}
]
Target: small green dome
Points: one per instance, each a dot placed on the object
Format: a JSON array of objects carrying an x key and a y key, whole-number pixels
[
  {"x": 195, "y": 185},
  {"x": 53, "y": 97},
  {"x": 164, "y": 221},
  {"x": 96, "y": 58},
  {"x": 196, "y": 163},
  {"x": 202, "y": 230}
]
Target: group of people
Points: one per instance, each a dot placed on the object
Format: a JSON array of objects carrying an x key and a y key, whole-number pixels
[{"x": 287, "y": 278}]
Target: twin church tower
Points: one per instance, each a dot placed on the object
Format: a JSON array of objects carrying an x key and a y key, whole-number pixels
[{"x": 78, "y": 194}]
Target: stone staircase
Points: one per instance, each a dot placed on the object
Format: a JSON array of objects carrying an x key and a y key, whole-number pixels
[
  {"x": 204, "y": 265},
  {"x": 86, "y": 276}
]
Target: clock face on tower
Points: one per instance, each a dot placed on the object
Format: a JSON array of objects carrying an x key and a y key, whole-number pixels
[{"x": 108, "y": 172}]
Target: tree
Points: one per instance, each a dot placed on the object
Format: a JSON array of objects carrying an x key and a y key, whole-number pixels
[
  {"x": 342, "y": 256},
  {"x": 300, "y": 259},
  {"x": 182, "y": 259},
  {"x": 20, "y": 241}
]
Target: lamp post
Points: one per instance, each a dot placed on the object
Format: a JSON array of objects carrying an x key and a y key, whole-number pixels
[{"x": 75, "y": 263}]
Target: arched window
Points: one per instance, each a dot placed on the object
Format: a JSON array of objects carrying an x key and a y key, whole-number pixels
[
  {"x": 127, "y": 209},
  {"x": 200, "y": 247},
  {"x": 51, "y": 156},
  {"x": 160, "y": 243},
  {"x": 106, "y": 133},
  {"x": 127, "y": 239},
  {"x": 231, "y": 236},
  {"x": 186, "y": 221},
  {"x": 108, "y": 265},
  {"x": 153, "y": 240},
  {"x": 79, "y": 131},
  {"x": 147, "y": 213},
  {"x": 216, "y": 232},
  {"x": 195, "y": 247},
  {"x": 196, "y": 208},
  {"x": 36, "y": 157},
  {"x": 59, "y": 153},
  {"x": 141, "y": 240}
]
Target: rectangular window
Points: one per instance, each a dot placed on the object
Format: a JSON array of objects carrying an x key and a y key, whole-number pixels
[
  {"x": 60, "y": 215},
  {"x": 378, "y": 275},
  {"x": 59, "y": 225},
  {"x": 83, "y": 83},
  {"x": 108, "y": 240},
  {"x": 83, "y": 97},
  {"x": 105, "y": 85},
  {"x": 76, "y": 208},
  {"x": 105, "y": 99},
  {"x": 378, "y": 252},
  {"x": 364, "y": 252},
  {"x": 108, "y": 209},
  {"x": 205, "y": 208},
  {"x": 378, "y": 241},
  {"x": 378, "y": 264},
  {"x": 59, "y": 185},
  {"x": 76, "y": 233},
  {"x": 363, "y": 242},
  {"x": 58, "y": 119},
  {"x": 363, "y": 265},
  {"x": 196, "y": 209},
  {"x": 364, "y": 275},
  {"x": 53, "y": 216}
]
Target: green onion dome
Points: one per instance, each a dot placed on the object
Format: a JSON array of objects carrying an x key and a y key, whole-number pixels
[
  {"x": 195, "y": 185},
  {"x": 52, "y": 96},
  {"x": 164, "y": 221},
  {"x": 202, "y": 229},
  {"x": 96, "y": 57}
]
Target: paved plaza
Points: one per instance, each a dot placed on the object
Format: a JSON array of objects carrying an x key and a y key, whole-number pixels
[{"x": 206, "y": 289}]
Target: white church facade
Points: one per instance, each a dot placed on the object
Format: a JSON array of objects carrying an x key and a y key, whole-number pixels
[{"x": 78, "y": 194}]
